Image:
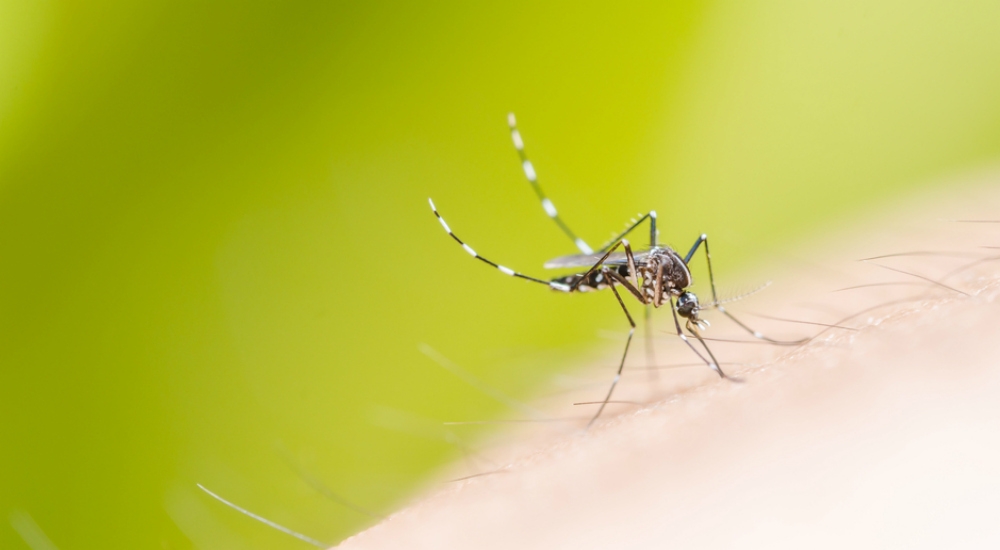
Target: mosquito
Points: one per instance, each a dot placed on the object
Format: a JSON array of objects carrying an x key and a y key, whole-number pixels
[{"x": 655, "y": 277}]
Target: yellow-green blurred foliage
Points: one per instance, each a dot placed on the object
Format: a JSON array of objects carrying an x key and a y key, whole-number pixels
[{"x": 218, "y": 262}]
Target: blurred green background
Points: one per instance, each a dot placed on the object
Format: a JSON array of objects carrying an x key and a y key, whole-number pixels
[{"x": 218, "y": 263}]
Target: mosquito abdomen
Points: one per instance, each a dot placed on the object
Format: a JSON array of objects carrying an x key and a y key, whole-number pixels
[{"x": 594, "y": 281}]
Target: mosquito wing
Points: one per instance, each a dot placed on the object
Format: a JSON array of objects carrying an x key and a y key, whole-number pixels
[{"x": 588, "y": 260}]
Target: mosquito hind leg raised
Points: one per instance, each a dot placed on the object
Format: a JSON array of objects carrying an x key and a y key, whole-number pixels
[
  {"x": 505, "y": 270},
  {"x": 653, "y": 233},
  {"x": 550, "y": 209},
  {"x": 532, "y": 177}
]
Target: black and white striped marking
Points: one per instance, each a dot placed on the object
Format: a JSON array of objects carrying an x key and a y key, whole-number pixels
[
  {"x": 655, "y": 277},
  {"x": 532, "y": 177},
  {"x": 555, "y": 285}
]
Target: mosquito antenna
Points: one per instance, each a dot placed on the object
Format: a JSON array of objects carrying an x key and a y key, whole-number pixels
[
  {"x": 532, "y": 176},
  {"x": 264, "y": 520},
  {"x": 703, "y": 240},
  {"x": 636, "y": 403},
  {"x": 30, "y": 532},
  {"x": 747, "y": 294}
]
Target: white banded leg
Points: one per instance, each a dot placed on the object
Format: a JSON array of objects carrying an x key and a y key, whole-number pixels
[
  {"x": 532, "y": 176},
  {"x": 600, "y": 263},
  {"x": 634, "y": 223},
  {"x": 612, "y": 279},
  {"x": 714, "y": 363},
  {"x": 703, "y": 238},
  {"x": 505, "y": 270}
]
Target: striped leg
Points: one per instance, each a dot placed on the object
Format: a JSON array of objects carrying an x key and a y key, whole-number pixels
[
  {"x": 613, "y": 278},
  {"x": 717, "y": 305},
  {"x": 621, "y": 365},
  {"x": 600, "y": 263},
  {"x": 505, "y": 270},
  {"x": 713, "y": 364},
  {"x": 653, "y": 233},
  {"x": 529, "y": 172},
  {"x": 550, "y": 209}
]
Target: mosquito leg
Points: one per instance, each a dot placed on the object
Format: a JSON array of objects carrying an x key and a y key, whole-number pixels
[
  {"x": 719, "y": 370},
  {"x": 550, "y": 209},
  {"x": 653, "y": 233},
  {"x": 713, "y": 364},
  {"x": 631, "y": 283},
  {"x": 658, "y": 293},
  {"x": 505, "y": 270},
  {"x": 628, "y": 285},
  {"x": 529, "y": 173},
  {"x": 703, "y": 238},
  {"x": 717, "y": 305},
  {"x": 599, "y": 263},
  {"x": 621, "y": 365},
  {"x": 633, "y": 273},
  {"x": 651, "y": 216}
]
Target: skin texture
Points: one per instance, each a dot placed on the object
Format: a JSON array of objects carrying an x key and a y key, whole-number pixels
[{"x": 886, "y": 434}]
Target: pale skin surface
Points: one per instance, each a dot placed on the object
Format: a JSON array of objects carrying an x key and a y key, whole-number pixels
[{"x": 883, "y": 436}]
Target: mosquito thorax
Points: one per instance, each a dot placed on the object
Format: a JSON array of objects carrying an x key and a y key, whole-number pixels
[{"x": 673, "y": 273}]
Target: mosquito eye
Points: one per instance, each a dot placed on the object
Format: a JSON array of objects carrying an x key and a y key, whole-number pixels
[{"x": 687, "y": 300}]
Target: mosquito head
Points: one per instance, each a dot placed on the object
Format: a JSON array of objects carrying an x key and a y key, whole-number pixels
[{"x": 687, "y": 305}]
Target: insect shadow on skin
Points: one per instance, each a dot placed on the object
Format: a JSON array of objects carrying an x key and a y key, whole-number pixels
[{"x": 655, "y": 277}]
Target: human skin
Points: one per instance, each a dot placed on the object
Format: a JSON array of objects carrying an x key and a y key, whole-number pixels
[{"x": 883, "y": 433}]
